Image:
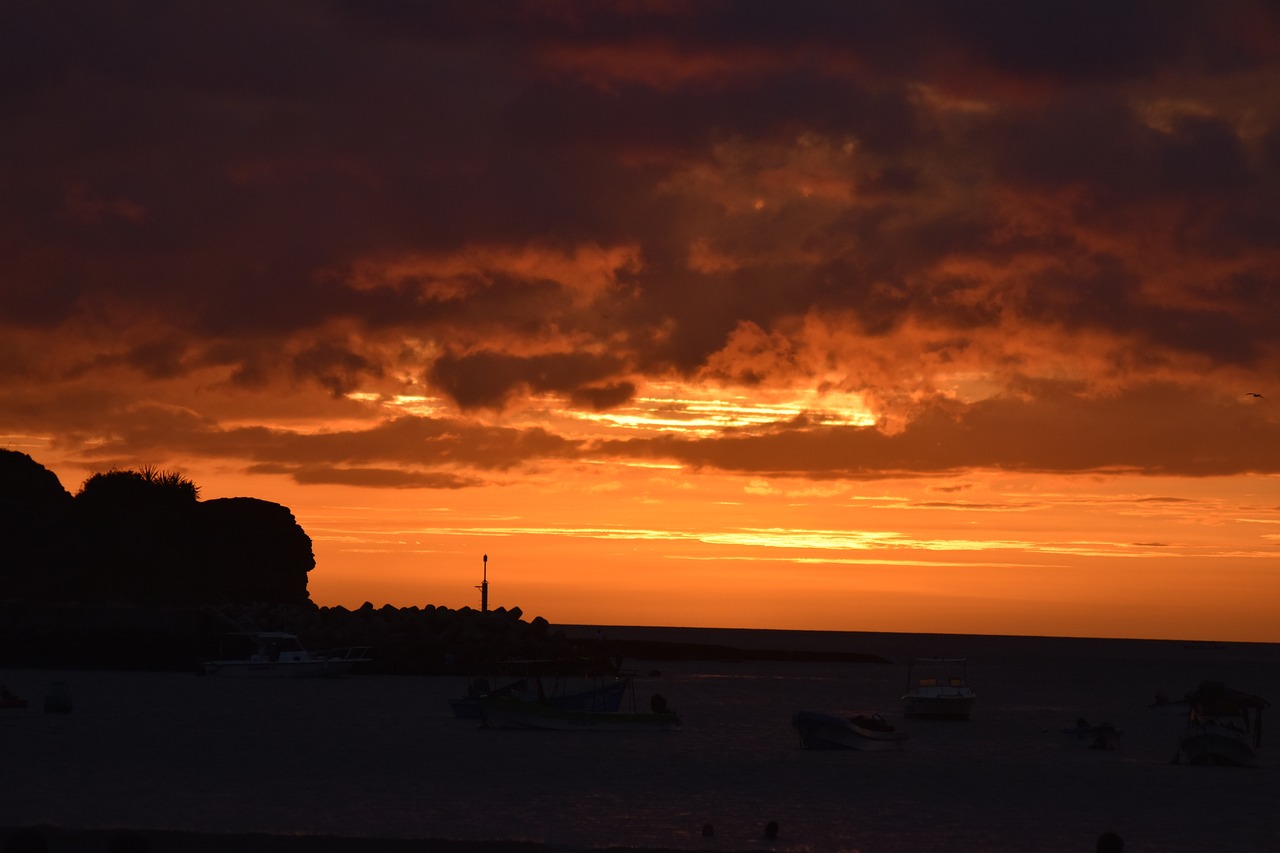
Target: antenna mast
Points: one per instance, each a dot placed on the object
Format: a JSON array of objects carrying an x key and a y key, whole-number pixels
[{"x": 484, "y": 587}]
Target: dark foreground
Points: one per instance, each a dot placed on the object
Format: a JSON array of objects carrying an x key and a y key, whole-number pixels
[
  {"x": 379, "y": 763},
  {"x": 22, "y": 839}
]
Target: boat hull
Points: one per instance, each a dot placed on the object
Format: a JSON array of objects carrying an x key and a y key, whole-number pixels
[
  {"x": 1213, "y": 743},
  {"x": 277, "y": 654},
  {"x": 505, "y": 712},
  {"x": 599, "y": 697},
  {"x": 957, "y": 707},
  {"x": 314, "y": 668},
  {"x": 938, "y": 689},
  {"x": 825, "y": 731},
  {"x": 1105, "y": 736}
]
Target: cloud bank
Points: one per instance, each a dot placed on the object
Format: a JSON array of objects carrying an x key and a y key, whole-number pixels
[{"x": 427, "y": 245}]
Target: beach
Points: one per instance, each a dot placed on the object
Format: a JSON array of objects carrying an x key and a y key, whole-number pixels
[{"x": 379, "y": 763}]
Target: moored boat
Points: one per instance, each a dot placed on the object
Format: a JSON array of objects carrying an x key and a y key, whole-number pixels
[
  {"x": 577, "y": 684},
  {"x": 938, "y": 689},
  {"x": 277, "y": 654},
  {"x": 1224, "y": 727},
  {"x": 568, "y": 705},
  {"x": 828, "y": 731}
]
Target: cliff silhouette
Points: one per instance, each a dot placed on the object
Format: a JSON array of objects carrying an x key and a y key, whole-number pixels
[
  {"x": 134, "y": 571},
  {"x": 144, "y": 537}
]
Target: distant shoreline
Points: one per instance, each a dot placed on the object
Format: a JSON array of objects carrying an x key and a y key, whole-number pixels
[{"x": 662, "y": 650}]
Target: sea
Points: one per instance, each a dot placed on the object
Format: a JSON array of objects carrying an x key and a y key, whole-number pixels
[{"x": 383, "y": 756}]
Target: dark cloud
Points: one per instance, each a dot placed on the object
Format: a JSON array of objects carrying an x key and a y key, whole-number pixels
[
  {"x": 334, "y": 366},
  {"x": 1154, "y": 430},
  {"x": 379, "y": 478},
  {"x": 604, "y": 397},
  {"x": 488, "y": 379},
  {"x": 397, "y": 198}
]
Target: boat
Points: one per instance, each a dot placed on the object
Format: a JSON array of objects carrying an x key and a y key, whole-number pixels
[
  {"x": 576, "y": 684},
  {"x": 565, "y": 704},
  {"x": 1100, "y": 736},
  {"x": 467, "y": 707},
  {"x": 828, "y": 731},
  {"x": 938, "y": 689},
  {"x": 277, "y": 654},
  {"x": 11, "y": 701},
  {"x": 1223, "y": 728}
]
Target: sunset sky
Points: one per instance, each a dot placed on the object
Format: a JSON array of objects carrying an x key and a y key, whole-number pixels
[{"x": 903, "y": 316}]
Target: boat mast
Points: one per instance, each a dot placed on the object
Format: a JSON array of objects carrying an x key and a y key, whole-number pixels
[{"x": 484, "y": 587}]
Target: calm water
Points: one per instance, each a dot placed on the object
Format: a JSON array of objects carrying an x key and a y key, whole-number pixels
[{"x": 383, "y": 756}]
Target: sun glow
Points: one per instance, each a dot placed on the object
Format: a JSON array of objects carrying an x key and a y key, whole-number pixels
[{"x": 700, "y": 411}]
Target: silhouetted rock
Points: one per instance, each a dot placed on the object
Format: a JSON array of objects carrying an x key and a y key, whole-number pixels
[
  {"x": 135, "y": 572},
  {"x": 131, "y": 537},
  {"x": 33, "y": 504},
  {"x": 255, "y": 549}
]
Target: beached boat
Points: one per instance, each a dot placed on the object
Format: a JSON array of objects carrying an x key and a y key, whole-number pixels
[
  {"x": 570, "y": 704},
  {"x": 276, "y": 654},
  {"x": 1224, "y": 727},
  {"x": 938, "y": 689},
  {"x": 828, "y": 731}
]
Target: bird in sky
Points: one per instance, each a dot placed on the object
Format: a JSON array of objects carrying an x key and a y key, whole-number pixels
[{"x": 1253, "y": 394}]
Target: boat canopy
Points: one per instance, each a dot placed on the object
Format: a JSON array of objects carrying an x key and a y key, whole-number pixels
[{"x": 1214, "y": 698}]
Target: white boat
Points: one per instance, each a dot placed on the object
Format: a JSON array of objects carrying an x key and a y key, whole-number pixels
[
  {"x": 276, "y": 654},
  {"x": 552, "y": 704},
  {"x": 1224, "y": 727},
  {"x": 827, "y": 731},
  {"x": 578, "y": 684},
  {"x": 599, "y": 695},
  {"x": 938, "y": 689}
]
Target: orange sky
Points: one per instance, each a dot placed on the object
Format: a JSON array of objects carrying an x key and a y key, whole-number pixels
[{"x": 894, "y": 317}]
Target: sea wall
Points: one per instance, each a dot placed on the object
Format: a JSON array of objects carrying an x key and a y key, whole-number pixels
[
  {"x": 404, "y": 640},
  {"x": 427, "y": 640}
]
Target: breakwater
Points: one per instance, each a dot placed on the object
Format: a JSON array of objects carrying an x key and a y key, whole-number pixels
[{"x": 427, "y": 640}]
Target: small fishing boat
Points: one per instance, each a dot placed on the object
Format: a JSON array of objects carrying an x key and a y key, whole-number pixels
[
  {"x": 565, "y": 705},
  {"x": 938, "y": 689},
  {"x": 828, "y": 731},
  {"x": 276, "y": 654},
  {"x": 576, "y": 684},
  {"x": 1224, "y": 727}
]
